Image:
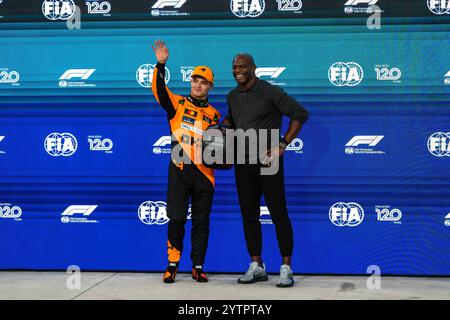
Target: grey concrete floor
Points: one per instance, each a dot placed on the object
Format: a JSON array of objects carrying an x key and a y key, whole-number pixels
[{"x": 112, "y": 286}]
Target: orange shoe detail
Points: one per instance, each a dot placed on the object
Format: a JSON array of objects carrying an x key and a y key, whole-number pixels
[{"x": 173, "y": 253}]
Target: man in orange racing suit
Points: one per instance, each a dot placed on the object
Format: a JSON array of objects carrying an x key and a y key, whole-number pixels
[{"x": 188, "y": 177}]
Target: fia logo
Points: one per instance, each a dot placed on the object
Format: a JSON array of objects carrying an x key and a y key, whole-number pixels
[
  {"x": 144, "y": 75},
  {"x": 153, "y": 212},
  {"x": 439, "y": 7},
  {"x": 439, "y": 144},
  {"x": 60, "y": 144},
  {"x": 343, "y": 214},
  {"x": 345, "y": 74},
  {"x": 247, "y": 8},
  {"x": 58, "y": 9}
]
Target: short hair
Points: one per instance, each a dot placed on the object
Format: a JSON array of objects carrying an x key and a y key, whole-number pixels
[{"x": 247, "y": 56}]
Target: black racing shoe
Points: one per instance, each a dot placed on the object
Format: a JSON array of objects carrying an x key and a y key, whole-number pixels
[
  {"x": 171, "y": 272},
  {"x": 198, "y": 274}
]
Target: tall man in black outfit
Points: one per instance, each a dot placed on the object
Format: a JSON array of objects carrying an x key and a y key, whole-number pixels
[{"x": 257, "y": 104}]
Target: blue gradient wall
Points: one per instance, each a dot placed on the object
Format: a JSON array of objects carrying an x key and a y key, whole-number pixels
[{"x": 400, "y": 172}]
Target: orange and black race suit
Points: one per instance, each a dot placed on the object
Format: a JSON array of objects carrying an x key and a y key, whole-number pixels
[{"x": 188, "y": 118}]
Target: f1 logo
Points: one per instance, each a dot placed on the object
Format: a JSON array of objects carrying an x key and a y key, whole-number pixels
[
  {"x": 269, "y": 72},
  {"x": 163, "y": 141},
  {"x": 77, "y": 73},
  {"x": 357, "y": 2},
  {"x": 85, "y": 210},
  {"x": 369, "y": 140},
  {"x": 176, "y": 4}
]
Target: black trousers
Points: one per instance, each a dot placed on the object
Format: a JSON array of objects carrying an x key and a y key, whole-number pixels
[
  {"x": 184, "y": 184},
  {"x": 251, "y": 185}
]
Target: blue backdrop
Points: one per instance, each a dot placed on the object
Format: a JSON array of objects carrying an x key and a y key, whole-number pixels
[{"x": 393, "y": 177}]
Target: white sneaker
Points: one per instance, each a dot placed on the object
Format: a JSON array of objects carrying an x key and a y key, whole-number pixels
[
  {"x": 254, "y": 274},
  {"x": 286, "y": 279}
]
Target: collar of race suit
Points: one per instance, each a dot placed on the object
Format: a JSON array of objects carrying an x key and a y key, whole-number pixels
[{"x": 198, "y": 102}]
